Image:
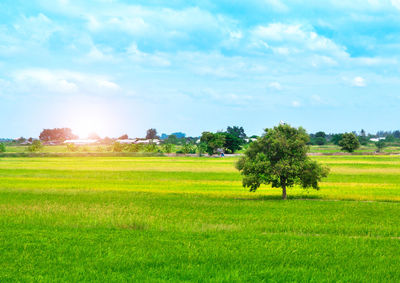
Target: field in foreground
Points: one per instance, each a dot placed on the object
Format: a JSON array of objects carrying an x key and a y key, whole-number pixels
[{"x": 180, "y": 219}]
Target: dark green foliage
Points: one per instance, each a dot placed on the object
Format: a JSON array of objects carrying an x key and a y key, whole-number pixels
[
  {"x": 320, "y": 135},
  {"x": 319, "y": 141},
  {"x": 2, "y": 147},
  {"x": 35, "y": 146},
  {"x": 336, "y": 138},
  {"x": 380, "y": 145},
  {"x": 349, "y": 142},
  {"x": 237, "y": 132},
  {"x": 232, "y": 143},
  {"x": 280, "y": 158},
  {"x": 213, "y": 141}
]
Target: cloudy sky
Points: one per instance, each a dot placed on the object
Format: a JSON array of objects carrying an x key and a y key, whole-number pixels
[{"x": 115, "y": 66}]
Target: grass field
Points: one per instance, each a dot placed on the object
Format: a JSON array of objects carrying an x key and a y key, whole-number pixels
[{"x": 189, "y": 219}]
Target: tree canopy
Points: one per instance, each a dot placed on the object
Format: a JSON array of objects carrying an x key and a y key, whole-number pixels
[
  {"x": 57, "y": 134},
  {"x": 151, "y": 134},
  {"x": 349, "y": 142},
  {"x": 280, "y": 158}
]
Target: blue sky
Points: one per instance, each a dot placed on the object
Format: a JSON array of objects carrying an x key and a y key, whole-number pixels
[{"x": 117, "y": 67}]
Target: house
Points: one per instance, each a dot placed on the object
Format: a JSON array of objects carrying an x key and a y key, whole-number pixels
[
  {"x": 81, "y": 142},
  {"x": 377, "y": 139}
]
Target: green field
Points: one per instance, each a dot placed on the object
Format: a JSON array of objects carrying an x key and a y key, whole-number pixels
[{"x": 188, "y": 219}]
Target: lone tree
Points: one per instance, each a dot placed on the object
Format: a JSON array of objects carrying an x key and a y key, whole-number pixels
[
  {"x": 280, "y": 158},
  {"x": 379, "y": 145},
  {"x": 349, "y": 142},
  {"x": 151, "y": 134}
]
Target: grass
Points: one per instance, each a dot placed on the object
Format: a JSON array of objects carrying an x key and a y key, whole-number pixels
[{"x": 189, "y": 219}]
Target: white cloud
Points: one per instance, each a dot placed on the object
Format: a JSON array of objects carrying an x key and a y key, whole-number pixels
[
  {"x": 63, "y": 82},
  {"x": 396, "y": 4},
  {"x": 296, "y": 103},
  {"x": 359, "y": 82},
  {"x": 286, "y": 39},
  {"x": 275, "y": 85}
]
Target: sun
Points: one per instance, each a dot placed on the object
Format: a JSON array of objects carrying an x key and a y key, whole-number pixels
[{"x": 86, "y": 121}]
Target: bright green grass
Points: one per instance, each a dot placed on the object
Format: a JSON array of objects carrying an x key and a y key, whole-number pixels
[{"x": 189, "y": 219}]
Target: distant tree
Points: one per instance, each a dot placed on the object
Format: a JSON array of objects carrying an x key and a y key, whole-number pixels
[
  {"x": 2, "y": 147},
  {"x": 237, "y": 132},
  {"x": 280, "y": 158},
  {"x": 168, "y": 148},
  {"x": 179, "y": 135},
  {"x": 213, "y": 141},
  {"x": 349, "y": 142},
  {"x": 72, "y": 147},
  {"x": 93, "y": 136},
  {"x": 232, "y": 142},
  {"x": 21, "y": 140},
  {"x": 151, "y": 134},
  {"x": 123, "y": 137},
  {"x": 117, "y": 147},
  {"x": 390, "y": 138},
  {"x": 172, "y": 139},
  {"x": 35, "y": 146},
  {"x": 336, "y": 138},
  {"x": 188, "y": 148},
  {"x": 57, "y": 134},
  {"x": 201, "y": 148},
  {"x": 320, "y": 135},
  {"x": 319, "y": 140},
  {"x": 380, "y": 145}
]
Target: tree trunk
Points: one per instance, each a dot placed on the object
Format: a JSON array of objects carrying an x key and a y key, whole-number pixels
[{"x": 284, "y": 192}]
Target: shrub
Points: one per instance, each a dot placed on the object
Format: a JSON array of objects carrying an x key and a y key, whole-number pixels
[
  {"x": 168, "y": 147},
  {"x": 2, "y": 147},
  {"x": 72, "y": 147},
  {"x": 35, "y": 146},
  {"x": 117, "y": 147}
]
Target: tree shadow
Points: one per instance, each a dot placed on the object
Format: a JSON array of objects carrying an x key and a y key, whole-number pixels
[{"x": 279, "y": 197}]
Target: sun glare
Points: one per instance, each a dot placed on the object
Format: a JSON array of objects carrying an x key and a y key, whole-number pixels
[{"x": 86, "y": 121}]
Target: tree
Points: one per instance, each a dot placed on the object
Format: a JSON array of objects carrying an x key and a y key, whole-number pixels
[
  {"x": 232, "y": 143},
  {"x": 213, "y": 141},
  {"x": 380, "y": 145},
  {"x": 35, "y": 146},
  {"x": 320, "y": 135},
  {"x": 349, "y": 142},
  {"x": 2, "y": 147},
  {"x": 168, "y": 147},
  {"x": 151, "y": 134},
  {"x": 336, "y": 138},
  {"x": 57, "y": 134},
  {"x": 280, "y": 158},
  {"x": 123, "y": 137},
  {"x": 237, "y": 132},
  {"x": 319, "y": 140}
]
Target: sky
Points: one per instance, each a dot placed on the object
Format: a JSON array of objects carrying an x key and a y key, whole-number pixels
[{"x": 115, "y": 67}]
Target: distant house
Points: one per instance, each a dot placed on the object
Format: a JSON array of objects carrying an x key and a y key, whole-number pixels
[
  {"x": 81, "y": 142},
  {"x": 377, "y": 139},
  {"x": 127, "y": 141},
  {"x": 154, "y": 141}
]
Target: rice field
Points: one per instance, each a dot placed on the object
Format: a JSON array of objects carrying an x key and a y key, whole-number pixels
[{"x": 174, "y": 219}]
